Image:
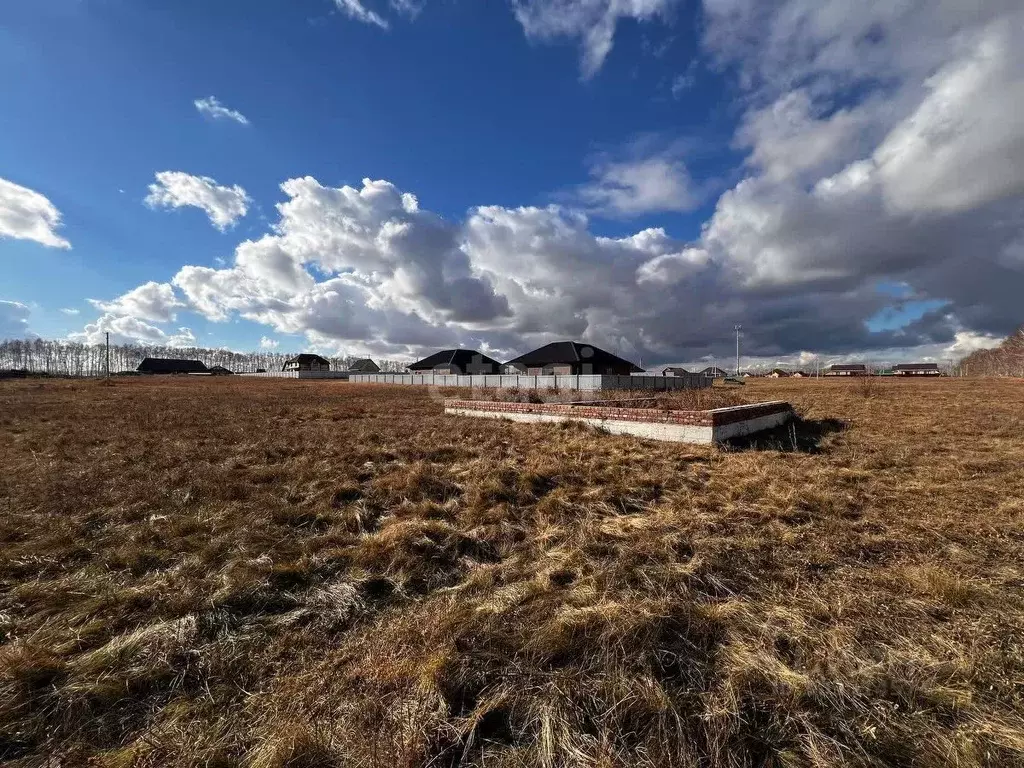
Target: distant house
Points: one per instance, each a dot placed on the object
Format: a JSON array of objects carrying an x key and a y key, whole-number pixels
[
  {"x": 800, "y": 375},
  {"x": 456, "y": 361},
  {"x": 778, "y": 373},
  {"x": 169, "y": 365},
  {"x": 917, "y": 369},
  {"x": 675, "y": 371},
  {"x": 571, "y": 358},
  {"x": 366, "y": 365},
  {"x": 307, "y": 362},
  {"x": 849, "y": 369},
  {"x": 220, "y": 370},
  {"x": 713, "y": 372}
]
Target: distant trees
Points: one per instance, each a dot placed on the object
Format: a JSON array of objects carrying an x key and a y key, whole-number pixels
[
  {"x": 1005, "y": 360},
  {"x": 70, "y": 358}
]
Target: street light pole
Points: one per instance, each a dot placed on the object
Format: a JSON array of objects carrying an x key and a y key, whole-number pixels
[{"x": 738, "y": 328}]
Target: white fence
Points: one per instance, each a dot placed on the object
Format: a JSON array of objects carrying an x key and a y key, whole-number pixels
[
  {"x": 523, "y": 381},
  {"x": 343, "y": 375}
]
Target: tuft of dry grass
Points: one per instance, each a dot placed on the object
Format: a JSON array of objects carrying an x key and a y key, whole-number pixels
[{"x": 287, "y": 573}]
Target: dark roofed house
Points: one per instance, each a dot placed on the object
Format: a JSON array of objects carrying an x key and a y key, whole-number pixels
[
  {"x": 571, "y": 358},
  {"x": 917, "y": 369},
  {"x": 714, "y": 372},
  {"x": 169, "y": 365},
  {"x": 674, "y": 370},
  {"x": 847, "y": 369},
  {"x": 366, "y": 365},
  {"x": 307, "y": 362},
  {"x": 220, "y": 370},
  {"x": 779, "y": 373},
  {"x": 456, "y": 361}
]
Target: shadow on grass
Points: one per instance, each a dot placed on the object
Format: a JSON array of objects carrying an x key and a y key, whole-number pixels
[{"x": 798, "y": 436}]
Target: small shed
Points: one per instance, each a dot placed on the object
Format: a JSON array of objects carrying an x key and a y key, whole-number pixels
[
  {"x": 307, "y": 362},
  {"x": 456, "y": 361},
  {"x": 571, "y": 358},
  {"x": 170, "y": 365}
]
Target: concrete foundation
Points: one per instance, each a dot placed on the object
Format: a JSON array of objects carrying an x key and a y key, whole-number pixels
[{"x": 712, "y": 426}]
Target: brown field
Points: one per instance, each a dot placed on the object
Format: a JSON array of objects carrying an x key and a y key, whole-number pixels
[{"x": 227, "y": 572}]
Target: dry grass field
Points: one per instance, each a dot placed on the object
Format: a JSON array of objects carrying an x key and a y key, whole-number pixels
[{"x": 228, "y": 572}]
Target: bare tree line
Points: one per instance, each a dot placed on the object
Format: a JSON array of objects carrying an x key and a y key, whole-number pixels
[
  {"x": 1005, "y": 360},
  {"x": 69, "y": 358}
]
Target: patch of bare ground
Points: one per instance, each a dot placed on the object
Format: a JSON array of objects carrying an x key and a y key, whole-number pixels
[{"x": 230, "y": 572}]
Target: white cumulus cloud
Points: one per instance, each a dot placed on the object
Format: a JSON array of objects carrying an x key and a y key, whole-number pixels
[
  {"x": 212, "y": 108},
  {"x": 28, "y": 215},
  {"x": 642, "y": 182},
  {"x": 151, "y": 301},
  {"x": 131, "y": 330},
  {"x": 884, "y": 144},
  {"x": 175, "y": 189}
]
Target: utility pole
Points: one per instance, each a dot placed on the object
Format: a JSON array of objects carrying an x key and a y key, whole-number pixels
[
  {"x": 738, "y": 328},
  {"x": 107, "y": 366}
]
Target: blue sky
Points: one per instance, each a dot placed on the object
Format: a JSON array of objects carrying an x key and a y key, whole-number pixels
[{"x": 642, "y": 175}]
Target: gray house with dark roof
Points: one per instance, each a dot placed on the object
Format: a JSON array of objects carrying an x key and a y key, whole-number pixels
[
  {"x": 169, "y": 365},
  {"x": 307, "y": 362},
  {"x": 571, "y": 358},
  {"x": 456, "y": 361},
  {"x": 365, "y": 365}
]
